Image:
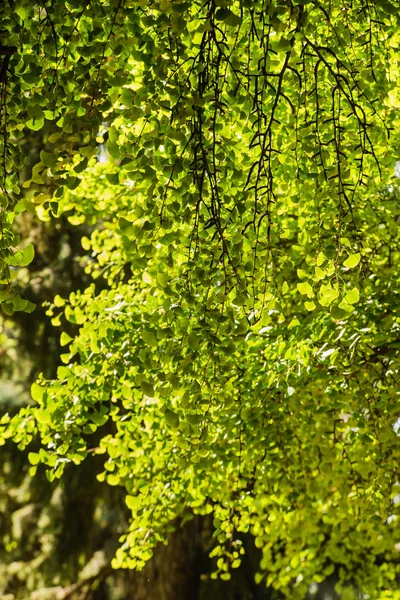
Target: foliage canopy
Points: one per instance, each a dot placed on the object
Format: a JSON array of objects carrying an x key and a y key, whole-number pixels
[{"x": 238, "y": 347}]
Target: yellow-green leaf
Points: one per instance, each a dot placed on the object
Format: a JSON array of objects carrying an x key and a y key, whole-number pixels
[
  {"x": 352, "y": 261},
  {"x": 353, "y": 296},
  {"x": 305, "y": 288}
]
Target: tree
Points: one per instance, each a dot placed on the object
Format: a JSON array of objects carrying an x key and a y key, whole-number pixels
[{"x": 242, "y": 358}]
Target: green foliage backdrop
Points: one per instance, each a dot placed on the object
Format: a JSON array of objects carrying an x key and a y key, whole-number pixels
[{"x": 237, "y": 349}]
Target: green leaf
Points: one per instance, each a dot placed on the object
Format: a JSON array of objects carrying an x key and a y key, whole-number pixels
[
  {"x": 37, "y": 392},
  {"x": 113, "y": 178},
  {"x": 149, "y": 338},
  {"x": 163, "y": 279},
  {"x": 27, "y": 256},
  {"x": 127, "y": 96},
  {"x": 29, "y": 307},
  {"x": 5, "y": 295},
  {"x": 35, "y": 124},
  {"x": 305, "y": 288},
  {"x": 352, "y": 261},
  {"x": 81, "y": 166},
  {"x": 193, "y": 341},
  {"x": 171, "y": 418},
  {"x": 22, "y": 258},
  {"x": 147, "y": 389},
  {"x": 353, "y": 296},
  {"x": 65, "y": 339},
  {"x": 133, "y": 502},
  {"x": 99, "y": 419},
  {"x": 43, "y": 416},
  {"x": 19, "y": 304},
  {"x": 58, "y": 301},
  {"x": 113, "y": 479},
  {"x": 310, "y": 306},
  {"x": 327, "y": 295},
  {"x": 226, "y": 15},
  {"x": 7, "y": 307},
  {"x": 48, "y": 159},
  {"x": 113, "y": 149},
  {"x": 33, "y": 458}
]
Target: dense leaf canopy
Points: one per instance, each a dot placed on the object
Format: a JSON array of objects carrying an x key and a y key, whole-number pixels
[{"x": 238, "y": 347}]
